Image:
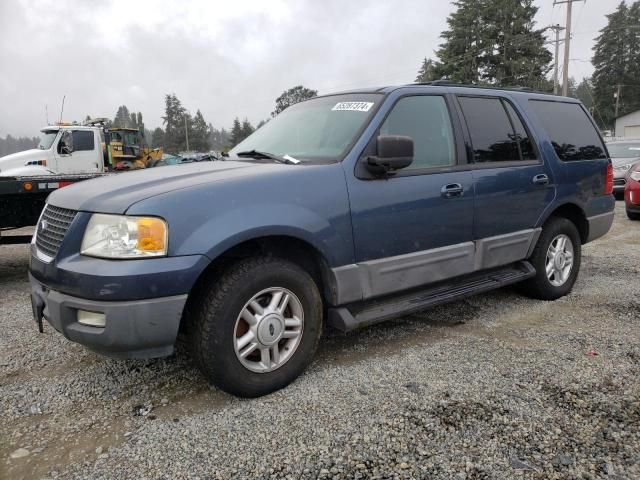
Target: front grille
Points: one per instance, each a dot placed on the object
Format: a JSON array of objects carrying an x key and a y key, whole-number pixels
[
  {"x": 52, "y": 228},
  {"x": 619, "y": 181}
]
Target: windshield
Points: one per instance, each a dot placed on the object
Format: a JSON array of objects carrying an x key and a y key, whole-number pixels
[
  {"x": 624, "y": 150},
  {"x": 320, "y": 128},
  {"x": 47, "y": 138}
]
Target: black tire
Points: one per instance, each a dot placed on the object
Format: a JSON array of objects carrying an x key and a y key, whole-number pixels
[
  {"x": 213, "y": 326},
  {"x": 540, "y": 286},
  {"x": 633, "y": 215}
]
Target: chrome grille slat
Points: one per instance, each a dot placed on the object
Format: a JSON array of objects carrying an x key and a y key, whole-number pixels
[{"x": 58, "y": 220}]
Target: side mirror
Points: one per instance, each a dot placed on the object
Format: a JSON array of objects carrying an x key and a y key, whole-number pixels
[
  {"x": 394, "y": 152},
  {"x": 65, "y": 146}
]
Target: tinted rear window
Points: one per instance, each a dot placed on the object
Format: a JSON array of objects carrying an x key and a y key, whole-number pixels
[
  {"x": 570, "y": 130},
  {"x": 496, "y": 129}
]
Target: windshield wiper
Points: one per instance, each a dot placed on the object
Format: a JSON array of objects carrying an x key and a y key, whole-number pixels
[{"x": 271, "y": 156}]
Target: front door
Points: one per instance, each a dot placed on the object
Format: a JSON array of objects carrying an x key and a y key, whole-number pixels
[
  {"x": 85, "y": 157},
  {"x": 415, "y": 227}
]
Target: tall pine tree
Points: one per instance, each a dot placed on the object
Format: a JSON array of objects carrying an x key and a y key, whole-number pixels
[
  {"x": 174, "y": 122},
  {"x": 427, "y": 71},
  {"x": 494, "y": 42},
  {"x": 616, "y": 62}
]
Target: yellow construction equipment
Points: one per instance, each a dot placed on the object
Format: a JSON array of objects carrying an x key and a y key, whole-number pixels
[{"x": 128, "y": 150}]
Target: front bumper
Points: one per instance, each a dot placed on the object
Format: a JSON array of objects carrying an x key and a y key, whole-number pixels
[{"x": 134, "y": 329}]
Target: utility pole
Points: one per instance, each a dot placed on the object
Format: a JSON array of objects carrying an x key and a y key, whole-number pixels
[
  {"x": 617, "y": 97},
  {"x": 186, "y": 130},
  {"x": 556, "y": 82},
  {"x": 567, "y": 45}
]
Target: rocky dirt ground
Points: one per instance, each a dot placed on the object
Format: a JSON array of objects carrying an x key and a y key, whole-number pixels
[{"x": 495, "y": 386}]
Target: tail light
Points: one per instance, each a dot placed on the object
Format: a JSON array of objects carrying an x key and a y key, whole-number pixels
[{"x": 608, "y": 184}]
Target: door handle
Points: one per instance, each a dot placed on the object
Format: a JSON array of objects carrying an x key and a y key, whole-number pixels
[
  {"x": 451, "y": 190},
  {"x": 540, "y": 179}
]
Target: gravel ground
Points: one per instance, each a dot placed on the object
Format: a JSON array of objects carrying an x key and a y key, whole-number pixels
[{"x": 495, "y": 386}]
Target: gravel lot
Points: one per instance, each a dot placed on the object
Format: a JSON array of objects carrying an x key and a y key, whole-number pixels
[{"x": 495, "y": 386}]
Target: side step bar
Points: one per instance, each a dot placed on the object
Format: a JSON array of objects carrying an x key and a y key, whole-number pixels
[{"x": 358, "y": 315}]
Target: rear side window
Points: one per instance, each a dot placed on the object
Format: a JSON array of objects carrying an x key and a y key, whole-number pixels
[
  {"x": 82, "y": 140},
  {"x": 496, "y": 136},
  {"x": 570, "y": 130},
  {"x": 526, "y": 148},
  {"x": 426, "y": 120}
]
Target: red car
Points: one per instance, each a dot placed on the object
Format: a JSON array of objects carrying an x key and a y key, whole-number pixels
[{"x": 632, "y": 193}]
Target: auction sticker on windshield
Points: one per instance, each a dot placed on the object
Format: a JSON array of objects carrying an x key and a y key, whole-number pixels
[{"x": 353, "y": 106}]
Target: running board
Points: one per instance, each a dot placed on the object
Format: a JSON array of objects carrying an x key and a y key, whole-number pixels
[{"x": 367, "y": 313}]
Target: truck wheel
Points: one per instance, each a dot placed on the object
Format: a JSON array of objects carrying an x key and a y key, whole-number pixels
[
  {"x": 556, "y": 259},
  {"x": 257, "y": 327}
]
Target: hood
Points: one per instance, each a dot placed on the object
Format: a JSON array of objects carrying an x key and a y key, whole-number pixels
[
  {"x": 619, "y": 161},
  {"x": 115, "y": 193},
  {"x": 16, "y": 160}
]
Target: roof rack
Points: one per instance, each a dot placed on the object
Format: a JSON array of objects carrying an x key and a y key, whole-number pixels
[{"x": 448, "y": 83}]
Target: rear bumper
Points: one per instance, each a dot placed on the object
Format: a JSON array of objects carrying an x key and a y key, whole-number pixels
[
  {"x": 599, "y": 225},
  {"x": 133, "y": 329}
]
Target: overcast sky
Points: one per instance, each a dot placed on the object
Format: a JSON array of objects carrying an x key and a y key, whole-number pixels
[{"x": 227, "y": 58}]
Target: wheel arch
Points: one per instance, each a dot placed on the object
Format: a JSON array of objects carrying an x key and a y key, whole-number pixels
[
  {"x": 573, "y": 213},
  {"x": 288, "y": 247}
]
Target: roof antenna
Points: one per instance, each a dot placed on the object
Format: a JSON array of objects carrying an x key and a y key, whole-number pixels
[
  {"x": 62, "y": 108},
  {"x": 46, "y": 113}
]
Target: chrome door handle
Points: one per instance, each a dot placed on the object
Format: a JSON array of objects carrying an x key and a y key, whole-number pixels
[
  {"x": 451, "y": 190},
  {"x": 540, "y": 179}
]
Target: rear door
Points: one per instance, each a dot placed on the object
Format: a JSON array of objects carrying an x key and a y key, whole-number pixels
[
  {"x": 512, "y": 183},
  {"x": 415, "y": 226}
]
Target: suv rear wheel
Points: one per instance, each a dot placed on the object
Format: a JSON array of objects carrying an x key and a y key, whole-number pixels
[
  {"x": 556, "y": 259},
  {"x": 257, "y": 327}
]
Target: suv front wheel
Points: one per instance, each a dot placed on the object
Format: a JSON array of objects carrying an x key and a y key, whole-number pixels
[
  {"x": 257, "y": 327},
  {"x": 556, "y": 259}
]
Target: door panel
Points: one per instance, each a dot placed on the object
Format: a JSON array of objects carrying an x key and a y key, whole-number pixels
[
  {"x": 399, "y": 222},
  {"x": 512, "y": 186},
  {"x": 84, "y": 158},
  {"x": 508, "y": 200}
]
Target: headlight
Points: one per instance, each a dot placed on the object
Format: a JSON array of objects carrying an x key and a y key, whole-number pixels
[
  {"x": 120, "y": 236},
  {"x": 635, "y": 175},
  {"x": 624, "y": 167}
]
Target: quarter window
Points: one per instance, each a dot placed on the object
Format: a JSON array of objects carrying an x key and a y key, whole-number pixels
[
  {"x": 426, "y": 120},
  {"x": 570, "y": 130},
  {"x": 492, "y": 132},
  {"x": 82, "y": 140}
]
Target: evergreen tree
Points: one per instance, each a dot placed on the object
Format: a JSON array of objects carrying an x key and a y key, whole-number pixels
[
  {"x": 427, "y": 71},
  {"x": 140, "y": 122},
  {"x": 198, "y": 134},
  {"x": 218, "y": 139},
  {"x": 157, "y": 138},
  {"x": 247, "y": 129},
  {"x": 494, "y": 42},
  {"x": 174, "y": 122},
  {"x": 10, "y": 144},
  {"x": 236, "y": 132},
  {"x": 122, "y": 118},
  {"x": 291, "y": 97},
  {"x": 583, "y": 92},
  {"x": 616, "y": 61}
]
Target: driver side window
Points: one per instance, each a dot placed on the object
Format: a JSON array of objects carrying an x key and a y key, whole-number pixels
[{"x": 426, "y": 120}]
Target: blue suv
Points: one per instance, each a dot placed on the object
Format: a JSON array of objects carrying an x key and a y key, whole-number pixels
[{"x": 346, "y": 209}]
